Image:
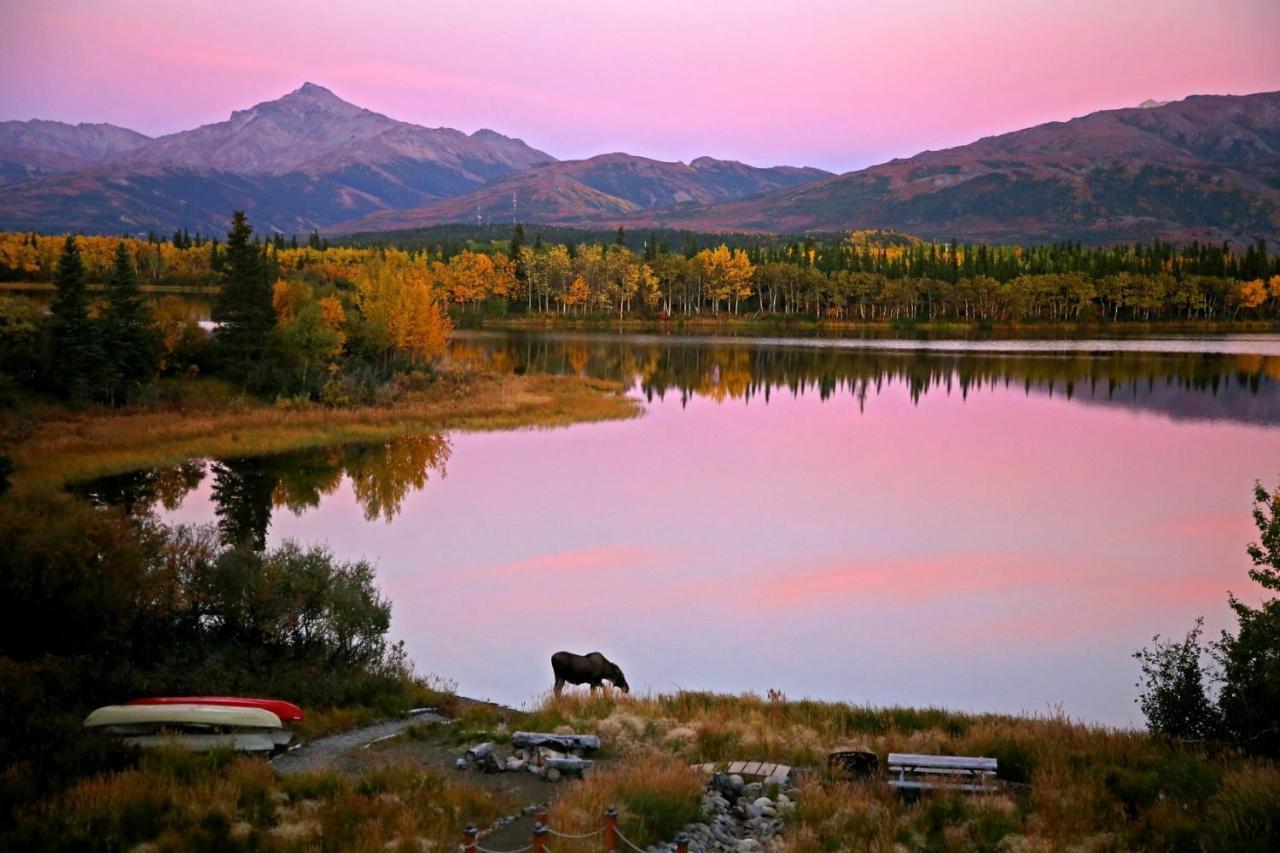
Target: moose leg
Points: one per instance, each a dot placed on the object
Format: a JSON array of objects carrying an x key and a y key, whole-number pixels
[{"x": 559, "y": 686}]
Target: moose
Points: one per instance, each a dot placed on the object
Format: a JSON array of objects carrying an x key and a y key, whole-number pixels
[{"x": 586, "y": 669}]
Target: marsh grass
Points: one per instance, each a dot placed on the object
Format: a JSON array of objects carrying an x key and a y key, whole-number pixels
[
  {"x": 1067, "y": 785},
  {"x": 179, "y": 801},
  {"x": 55, "y": 445},
  {"x": 655, "y": 794}
]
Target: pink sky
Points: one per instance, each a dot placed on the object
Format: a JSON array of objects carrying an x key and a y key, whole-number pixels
[{"x": 833, "y": 83}]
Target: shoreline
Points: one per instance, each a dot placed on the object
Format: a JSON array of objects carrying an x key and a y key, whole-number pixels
[
  {"x": 778, "y": 326},
  {"x": 55, "y": 445}
]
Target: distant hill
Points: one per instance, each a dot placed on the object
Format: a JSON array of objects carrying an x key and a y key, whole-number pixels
[
  {"x": 1206, "y": 167},
  {"x": 602, "y": 187},
  {"x": 312, "y": 130},
  {"x": 302, "y": 161},
  {"x": 33, "y": 148}
]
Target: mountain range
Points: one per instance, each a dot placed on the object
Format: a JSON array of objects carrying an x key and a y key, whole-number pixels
[{"x": 1206, "y": 167}]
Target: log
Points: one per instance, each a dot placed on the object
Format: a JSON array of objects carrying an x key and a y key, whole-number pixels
[
  {"x": 475, "y": 753},
  {"x": 564, "y": 743},
  {"x": 568, "y": 764}
]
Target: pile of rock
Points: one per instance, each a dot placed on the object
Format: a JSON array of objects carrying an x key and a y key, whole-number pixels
[
  {"x": 551, "y": 756},
  {"x": 740, "y": 815}
]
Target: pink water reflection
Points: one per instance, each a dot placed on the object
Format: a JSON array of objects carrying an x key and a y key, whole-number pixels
[{"x": 1005, "y": 552}]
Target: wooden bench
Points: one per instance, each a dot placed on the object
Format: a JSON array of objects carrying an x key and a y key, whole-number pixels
[{"x": 955, "y": 772}]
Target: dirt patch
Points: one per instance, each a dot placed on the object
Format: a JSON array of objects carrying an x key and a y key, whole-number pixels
[{"x": 385, "y": 745}]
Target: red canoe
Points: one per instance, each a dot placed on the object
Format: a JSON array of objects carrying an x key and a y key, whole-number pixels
[{"x": 286, "y": 711}]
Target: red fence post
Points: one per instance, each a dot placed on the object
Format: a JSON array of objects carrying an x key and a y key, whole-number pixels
[
  {"x": 539, "y": 838},
  {"x": 469, "y": 839},
  {"x": 542, "y": 817},
  {"x": 610, "y": 830},
  {"x": 682, "y": 843}
]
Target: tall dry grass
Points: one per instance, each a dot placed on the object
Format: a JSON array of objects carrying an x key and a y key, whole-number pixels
[
  {"x": 1067, "y": 785},
  {"x": 655, "y": 795},
  {"x": 177, "y": 801}
]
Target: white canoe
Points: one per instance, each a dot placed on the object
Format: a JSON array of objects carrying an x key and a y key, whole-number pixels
[
  {"x": 239, "y": 741},
  {"x": 182, "y": 715}
]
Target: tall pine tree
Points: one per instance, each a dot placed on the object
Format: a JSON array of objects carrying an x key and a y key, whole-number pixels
[
  {"x": 74, "y": 355},
  {"x": 243, "y": 309},
  {"x": 130, "y": 338}
]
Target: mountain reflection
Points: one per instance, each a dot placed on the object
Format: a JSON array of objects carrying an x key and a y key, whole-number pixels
[
  {"x": 246, "y": 490},
  {"x": 1199, "y": 386}
]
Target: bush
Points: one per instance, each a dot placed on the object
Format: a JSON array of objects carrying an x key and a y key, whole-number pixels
[
  {"x": 1173, "y": 675},
  {"x": 1172, "y": 688},
  {"x": 174, "y": 610}
]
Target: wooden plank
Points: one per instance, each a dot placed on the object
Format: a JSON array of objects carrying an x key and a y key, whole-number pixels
[
  {"x": 766, "y": 769},
  {"x": 736, "y": 767},
  {"x": 781, "y": 770},
  {"x": 752, "y": 769},
  {"x": 909, "y": 785},
  {"x": 943, "y": 771},
  {"x": 962, "y": 762}
]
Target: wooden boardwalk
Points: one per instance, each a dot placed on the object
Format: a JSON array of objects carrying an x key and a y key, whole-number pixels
[{"x": 763, "y": 769}]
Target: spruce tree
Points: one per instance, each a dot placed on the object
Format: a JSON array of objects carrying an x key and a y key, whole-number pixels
[
  {"x": 243, "y": 309},
  {"x": 74, "y": 355},
  {"x": 130, "y": 338}
]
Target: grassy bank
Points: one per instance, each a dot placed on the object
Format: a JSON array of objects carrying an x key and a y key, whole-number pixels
[
  {"x": 47, "y": 287},
  {"x": 1068, "y": 786},
  {"x": 1065, "y": 785},
  {"x": 54, "y": 444},
  {"x": 758, "y": 325}
]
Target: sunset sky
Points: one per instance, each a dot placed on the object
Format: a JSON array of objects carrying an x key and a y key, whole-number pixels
[{"x": 833, "y": 83}]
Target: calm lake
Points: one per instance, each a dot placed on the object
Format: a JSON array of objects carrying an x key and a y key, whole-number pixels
[{"x": 942, "y": 523}]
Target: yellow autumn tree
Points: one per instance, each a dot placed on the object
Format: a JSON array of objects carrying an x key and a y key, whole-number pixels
[
  {"x": 726, "y": 276},
  {"x": 1253, "y": 294},
  {"x": 397, "y": 296},
  {"x": 577, "y": 294},
  {"x": 288, "y": 297},
  {"x": 473, "y": 277}
]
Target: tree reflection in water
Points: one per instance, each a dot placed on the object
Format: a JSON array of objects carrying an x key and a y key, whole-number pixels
[
  {"x": 246, "y": 490},
  {"x": 1180, "y": 385}
]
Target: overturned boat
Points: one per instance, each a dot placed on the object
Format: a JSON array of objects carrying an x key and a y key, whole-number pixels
[
  {"x": 286, "y": 711},
  {"x": 192, "y": 726}
]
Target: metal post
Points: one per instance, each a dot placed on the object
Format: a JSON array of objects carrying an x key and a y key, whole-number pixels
[
  {"x": 539, "y": 838},
  {"x": 682, "y": 843},
  {"x": 469, "y": 839},
  {"x": 610, "y": 830}
]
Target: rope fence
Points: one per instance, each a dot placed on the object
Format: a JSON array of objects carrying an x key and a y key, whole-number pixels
[{"x": 610, "y": 833}]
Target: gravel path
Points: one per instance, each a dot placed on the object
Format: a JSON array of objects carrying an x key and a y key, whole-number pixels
[{"x": 324, "y": 753}]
